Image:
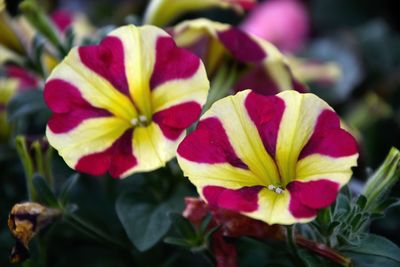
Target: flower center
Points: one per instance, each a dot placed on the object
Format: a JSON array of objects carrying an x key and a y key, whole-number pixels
[
  {"x": 140, "y": 121},
  {"x": 277, "y": 189}
]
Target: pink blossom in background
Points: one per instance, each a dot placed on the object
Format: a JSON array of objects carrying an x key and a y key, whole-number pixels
[
  {"x": 62, "y": 19},
  {"x": 285, "y": 23},
  {"x": 26, "y": 80}
]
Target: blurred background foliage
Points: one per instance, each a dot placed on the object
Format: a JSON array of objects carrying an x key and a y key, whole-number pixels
[{"x": 362, "y": 36}]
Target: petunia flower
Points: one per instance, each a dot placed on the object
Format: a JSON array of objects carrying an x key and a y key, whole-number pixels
[
  {"x": 123, "y": 106},
  {"x": 262, "y": 67},
  {"x": 64, "y": 19},
  {"x": 285, "y": 23},
  {"x": 278, "y": 159},
  {"x": 162, "y": 12}
]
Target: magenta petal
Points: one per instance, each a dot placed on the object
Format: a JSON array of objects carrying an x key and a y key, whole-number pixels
[
  {"x": 172, "y": 62},
  {"x": 244, "y": 199},
  {"x": 69, "y": 108},
  {"x": 241, "y": 46},
  {"x": 174, "y": 120},
  {"x": 266, "y": 113},
  {"x": 313, "y": 195},
  {"x": 258, "y": 80},
  {"x": 107, "y": 60},
  {"x": 117, "y": 159},
  {"x": 329, "y": 139},
  {"x": 209, "y": 144}
]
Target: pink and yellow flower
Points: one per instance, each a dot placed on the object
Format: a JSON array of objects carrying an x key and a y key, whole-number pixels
[
  {"x": 162, "y": 12},
  {"x": 262, "y": 67},
  {"x": 278, "y": 159},
  {"x": 123, "y": 106}
]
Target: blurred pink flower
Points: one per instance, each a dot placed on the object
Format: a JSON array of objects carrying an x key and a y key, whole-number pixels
[
  {"x": 62, "y": 19},
  {"x": 285, "y": 23}
]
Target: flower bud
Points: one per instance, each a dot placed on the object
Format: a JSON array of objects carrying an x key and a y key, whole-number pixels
[{"x": 25, "y": 221}]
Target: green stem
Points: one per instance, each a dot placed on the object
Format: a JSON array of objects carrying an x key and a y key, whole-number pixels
[
  {"x": 36, "y": 16},
  {"x": 222, "y": 83},
  {"x": 324, "y": 251},
  {"x": 94, "y": 232},
  {"x": 48, "y": 174},
  {"x": 27, "y": 164}
]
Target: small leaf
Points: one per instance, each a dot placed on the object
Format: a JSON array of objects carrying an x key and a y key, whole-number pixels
[
  {"x": 182, "y": 225},
  {"x": 332, "y": 227},
  {"x": 67, "y": 186},
  {"x": 145, "y": 221},
  {"x": 361, "y": 202},
  {"x": 204, "y": 224},
  {"x": 387, "y": 204},
  {"x": 177, "y": 242},
  {"x": 44, "y": 192},
  {"x": 23, "y": 104}
]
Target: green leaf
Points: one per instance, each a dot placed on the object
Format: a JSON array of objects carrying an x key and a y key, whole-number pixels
[
  {"x": 377, "y": 247},
  {"x": 361, "y": 202},
  {"x": 332, "y": 227},
  {"x": 67, "y": 186},
  {"x": 23, "y": 104},
  {"x": 144, "y": 220},
  {"x": 204, "y": 224},
  {"x": 182, "y": 225},
  {"x": 44, "y": 192},
  {"x": 177, "y": 242},
  {"x": 387, "y": 204}
]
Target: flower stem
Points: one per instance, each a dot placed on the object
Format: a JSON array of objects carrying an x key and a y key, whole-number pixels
[
  {"x": 93, "y": 232},
  {"x": 325, "y": 251},
  {"x": 24, "y": 156}
]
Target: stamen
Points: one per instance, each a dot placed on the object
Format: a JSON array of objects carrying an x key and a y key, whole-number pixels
[
  {"x": 279, "y": 190},
  {"x": 276, "y": 189},
  {"x": 142, "y": 119},
  {"x": 134, "y": 122},
  {"x": 271, "y": 187}
]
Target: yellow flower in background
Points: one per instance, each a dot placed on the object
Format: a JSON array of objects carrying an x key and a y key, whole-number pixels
[
  {"x": 8, "y": 88},
  {"x": 162, "y": 12},
  {"x": 8, "y": 37},
  {"x": 312, "y": 71}
]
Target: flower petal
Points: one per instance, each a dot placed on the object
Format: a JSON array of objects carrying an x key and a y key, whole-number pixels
[
  {"x": 86, "y": 139},
  {"x": 174, "y": 120},
  {"x": 152, "y": 148},
  {"x": 178, "y": 76},
  {"x": 331, "y": 152},
  {"x": 242, "y": 200},
  {"x": 207, "y": 158},
  {"x": 296, "y": 128},
  {"x": 308, "y": 197},
  {"x": 94, "y": 89},
  {"x": 117, "y": 159}
]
